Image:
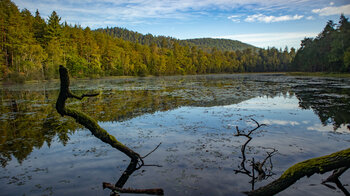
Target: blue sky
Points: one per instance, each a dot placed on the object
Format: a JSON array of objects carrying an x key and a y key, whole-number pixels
[{"x": 271, "y": 23}]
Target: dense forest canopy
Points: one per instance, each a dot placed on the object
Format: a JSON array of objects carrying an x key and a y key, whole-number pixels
[
  {"x": 205, "y": 44},
  {"x": 328, "y": 52},
  {"x": 33, "y": 48}
]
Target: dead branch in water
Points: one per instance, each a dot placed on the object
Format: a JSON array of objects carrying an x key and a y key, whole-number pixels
[
  {"x": 334, "y": 178},
  {"x": 156, "y": 191},
  {"x": 136, "y": 161},
  {"x": 256, "y": 166}
]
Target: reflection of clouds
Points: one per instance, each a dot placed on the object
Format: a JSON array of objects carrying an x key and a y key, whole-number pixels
[
  {"x": 279, "y": 122},
  {"x": 328, "y": 128},
  {"x": 267, "y": 103},
  {"x": 305, "y": 122}
]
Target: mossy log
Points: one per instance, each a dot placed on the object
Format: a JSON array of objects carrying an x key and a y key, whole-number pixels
[
  {"x": 86, "y": 120},
  {"x": 306, "y": 168}
]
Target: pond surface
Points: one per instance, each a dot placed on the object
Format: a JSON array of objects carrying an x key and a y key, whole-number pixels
[{"x": 195, "y": 119}]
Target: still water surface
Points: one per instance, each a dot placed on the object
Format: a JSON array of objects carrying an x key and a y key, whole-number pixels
[{"x": 195, "y": 119}]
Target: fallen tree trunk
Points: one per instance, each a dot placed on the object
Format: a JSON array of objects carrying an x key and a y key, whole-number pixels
[
  {"x": 306, "y": 168},
  {"x": 86, "y": 120}
]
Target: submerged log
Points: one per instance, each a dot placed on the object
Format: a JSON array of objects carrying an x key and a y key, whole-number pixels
[
  {"x": 306, "y": 168},
  {"x": 156, "y": 191}
]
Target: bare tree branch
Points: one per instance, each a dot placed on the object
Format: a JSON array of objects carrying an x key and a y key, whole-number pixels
[
  {"x": 152, "y": 150},
  {"x": 334, "y": 178}
]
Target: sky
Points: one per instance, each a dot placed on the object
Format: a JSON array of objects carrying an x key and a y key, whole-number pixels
[{"x": 262, "y": 23}]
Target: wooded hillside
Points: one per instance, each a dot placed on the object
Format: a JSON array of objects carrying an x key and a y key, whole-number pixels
[{"x": 33, "y": 48}]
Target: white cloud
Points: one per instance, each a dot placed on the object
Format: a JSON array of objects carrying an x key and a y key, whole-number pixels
[
  {"x": 138, "y": 10},
  {"x": 269, "y": 19},
  {"x": 328, "y": 128},
  {"x": 278, "y": 40},
  {"x": 328, "y": 11},
  {"x": 310, "y": 18},
  {"x": 331, "y": 3},
  {"x": 234, "y": 18}
]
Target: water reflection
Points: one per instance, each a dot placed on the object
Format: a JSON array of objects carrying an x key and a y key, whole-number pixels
[
  {"x": 28, "y": 119},
  {"x": 185, "y": 109},
  {"x": 328, "y": 99}
]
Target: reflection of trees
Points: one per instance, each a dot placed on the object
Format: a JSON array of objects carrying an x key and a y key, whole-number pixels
[
  {"x": 25, "y": 125},
  {"x": 28, "y": 119},
  {"x": 330, "y": 104}
]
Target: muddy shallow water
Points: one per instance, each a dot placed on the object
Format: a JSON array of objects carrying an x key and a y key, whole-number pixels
[{"x": 195, "y": 119}]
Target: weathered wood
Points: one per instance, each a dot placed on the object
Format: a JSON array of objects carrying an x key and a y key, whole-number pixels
[
  {"x": 86, "y": 120},
  {"x": 306, "y": 168},
  {"x": 136, "y": 161},
  {"x": 155, "y": 191}
]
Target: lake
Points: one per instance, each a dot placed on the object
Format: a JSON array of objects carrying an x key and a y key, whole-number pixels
[{"x": 193, "y": 117}]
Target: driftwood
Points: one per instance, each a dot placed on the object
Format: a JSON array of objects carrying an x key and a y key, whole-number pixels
[
  {"x": 306, "y": 168},
  {"x": 136, "y": 161},
  {"x": 156, "y": 191},
  {"x": 86, "y": 120}
]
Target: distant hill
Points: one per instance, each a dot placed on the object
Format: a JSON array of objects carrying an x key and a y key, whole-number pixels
[
  {"x": 148, "y": 39},
  {"x": 206, "y": 44}
]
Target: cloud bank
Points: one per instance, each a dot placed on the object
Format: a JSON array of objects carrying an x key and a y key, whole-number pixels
[
  {"x": 328, "y": 11},
  {"x": 279, "y": 40},
  {"x": 88, "y": 12},
  {"x": 269, "y": 19}
]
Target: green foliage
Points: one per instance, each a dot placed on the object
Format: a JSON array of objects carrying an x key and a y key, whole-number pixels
[
  {"x": 328, "y": 52},
  {"x": 53, "y": 29},
  {"x": 77, "y": 65},
  {"x": 206, "y": 44},
  {"x": 347, "y": 59},
  {"x": 36, "y": 47}
]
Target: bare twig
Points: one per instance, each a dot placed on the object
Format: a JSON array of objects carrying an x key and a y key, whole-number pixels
[
  {"x": 152, "y": 165},
  {"x": 152, "y": 150}
]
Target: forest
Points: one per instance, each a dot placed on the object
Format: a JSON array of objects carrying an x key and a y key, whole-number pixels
[
  {"x": 32, "y": 48},
  {"x": 205, "y": 44}
]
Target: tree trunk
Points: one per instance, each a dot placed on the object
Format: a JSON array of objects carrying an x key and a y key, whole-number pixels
[{"x": 86, "y": 120}]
